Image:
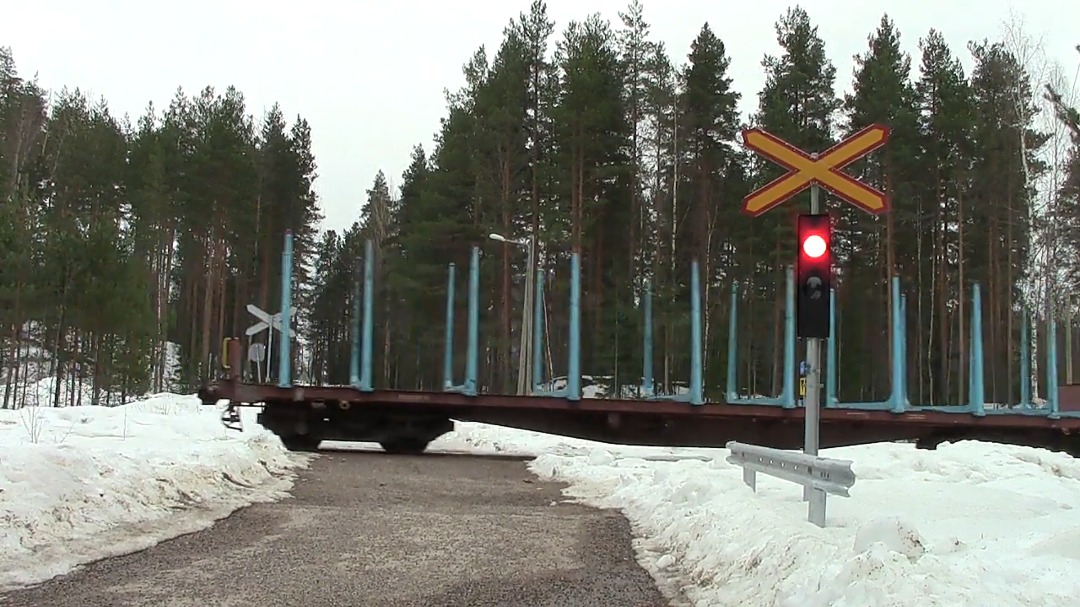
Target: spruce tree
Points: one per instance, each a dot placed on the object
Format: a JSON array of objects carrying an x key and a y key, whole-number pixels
[{"x": 799, "y": 105}]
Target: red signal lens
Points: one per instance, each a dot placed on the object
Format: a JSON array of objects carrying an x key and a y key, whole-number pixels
[{"x": 814, "y": 246}]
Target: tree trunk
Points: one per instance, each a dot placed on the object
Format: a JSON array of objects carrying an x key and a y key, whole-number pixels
[
  {"x": 206, "y": 313},
  {"x": 778, "y": 324},
  {"x": 962, "y": 388},
  {"x": 1010, "y": 377}
]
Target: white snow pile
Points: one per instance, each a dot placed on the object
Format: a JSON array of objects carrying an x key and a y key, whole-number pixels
[
  {"x": 970, "y": 524},
  {"x": 78, "y": 484}
]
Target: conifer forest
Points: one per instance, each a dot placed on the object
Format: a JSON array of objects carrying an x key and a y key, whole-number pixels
[{"x": 125, "y": 243}]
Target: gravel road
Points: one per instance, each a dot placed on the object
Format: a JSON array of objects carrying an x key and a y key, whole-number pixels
[{"x": 366, "y": 529}]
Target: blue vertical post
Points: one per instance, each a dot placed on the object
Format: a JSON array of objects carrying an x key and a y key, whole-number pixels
[
  {"x": 971, "y": 360},
  {"x": 697, "y": 396},
  {"x": 896, "y": 396},
  {"x": 473, "y": 352},
  {"x": 647, "y": 348},
  {"x": 538, "y": 330},
  {"x": 448, "y": 344},
  {"x": 573, "y": 371},
  {"x": 731, "y": 389},
  {"x": 788, "y": 395},
  {"x": 831, "y": 372},
  {"x": 1052, "y": 366},
  {"x": 354, "y": 353},
  {"x": 977, "y": 397},
  {"x": 904, "y": 395},
  {"x": 1025, "y": 358},
  {"x": 369, "y": 321},
  {"x": 284, "y": 352}
]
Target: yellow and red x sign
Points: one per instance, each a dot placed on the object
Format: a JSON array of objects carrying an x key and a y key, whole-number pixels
[{"x": 824, "y": 169}]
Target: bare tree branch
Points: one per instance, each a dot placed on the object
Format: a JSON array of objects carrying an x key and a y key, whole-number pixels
[{"x": 1064, "y": 112}]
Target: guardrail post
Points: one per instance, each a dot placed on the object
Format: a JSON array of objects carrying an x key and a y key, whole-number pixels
[
  {"x": 816, "y": 509},
  {"x": 750, "y": 478}
]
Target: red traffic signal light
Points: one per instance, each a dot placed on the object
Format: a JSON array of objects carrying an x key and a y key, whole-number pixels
[
  {"x": 813, "y": 276},
  {"x": 814, "y": 246}
]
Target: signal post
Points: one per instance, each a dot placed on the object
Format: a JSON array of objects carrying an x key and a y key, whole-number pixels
[
  {"x": 813, "y": 279},
  {"x": 813, "y": 260}
]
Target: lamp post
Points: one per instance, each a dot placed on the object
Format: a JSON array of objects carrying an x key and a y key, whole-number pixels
[{"x": 525, "y": 379}]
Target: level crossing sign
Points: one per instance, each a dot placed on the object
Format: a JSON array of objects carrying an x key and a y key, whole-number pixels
[{"x": 824, "y": 169}]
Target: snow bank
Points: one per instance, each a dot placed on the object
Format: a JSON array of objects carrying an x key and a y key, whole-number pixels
[
  {"x": 970, "y": 524},
  {"x": 78, "y": 484}
]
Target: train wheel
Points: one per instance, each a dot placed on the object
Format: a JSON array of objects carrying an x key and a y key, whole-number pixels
[
  {"x": 301, "y": 442},
  {"x": 404, "y": 446}
]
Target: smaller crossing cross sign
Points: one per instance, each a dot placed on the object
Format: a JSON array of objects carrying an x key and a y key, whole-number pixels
[{"x": 266, "y": 320}]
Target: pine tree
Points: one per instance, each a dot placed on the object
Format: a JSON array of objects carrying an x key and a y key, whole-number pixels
[
  {"x": 636, "y": 50},
  {"x": 946, "y": 121},
  {"x": 421, "y": 254},
  {"x": 797, "y": 104},
  {"x": 893, "y": 245},
  {"x": 713, "y": 183},
  {"x": 1001, "y": 192},
  {"x": 593, "y": 136}
]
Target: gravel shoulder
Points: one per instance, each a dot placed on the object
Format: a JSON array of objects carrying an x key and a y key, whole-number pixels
[{"x": 366, "y": 529}]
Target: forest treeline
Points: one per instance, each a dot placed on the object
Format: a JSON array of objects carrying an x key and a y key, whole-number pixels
[{"x": 119, "y": 238}]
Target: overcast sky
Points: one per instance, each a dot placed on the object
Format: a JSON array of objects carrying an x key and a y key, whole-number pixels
[{"x": 369, "y": 76}]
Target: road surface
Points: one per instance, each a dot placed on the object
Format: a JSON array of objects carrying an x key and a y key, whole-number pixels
[{"x": 366, "y": 529}]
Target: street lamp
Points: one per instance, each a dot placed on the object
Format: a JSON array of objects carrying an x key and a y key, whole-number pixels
[{"x": 525, "y": 379}]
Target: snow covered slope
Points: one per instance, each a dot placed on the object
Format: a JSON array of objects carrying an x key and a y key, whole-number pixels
[
  {"x": 82, "y": 483},
  {"x": 971, "y": 524}
]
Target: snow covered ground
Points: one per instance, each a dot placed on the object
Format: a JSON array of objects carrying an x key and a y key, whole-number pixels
[
  {"x": 971, "y": 524},
  {"x": 82, "y": 483}
]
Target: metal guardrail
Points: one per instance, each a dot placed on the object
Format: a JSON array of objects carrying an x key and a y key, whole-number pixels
[{"x": 818, "y": 475}]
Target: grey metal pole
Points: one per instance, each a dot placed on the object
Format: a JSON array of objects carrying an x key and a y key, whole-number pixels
[
  {"x": 530, "y": 314},
  {"x": 525, "y": 349},
  {"x": 1068, "y": 340},
  {"x": 812, "y": 400}
]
